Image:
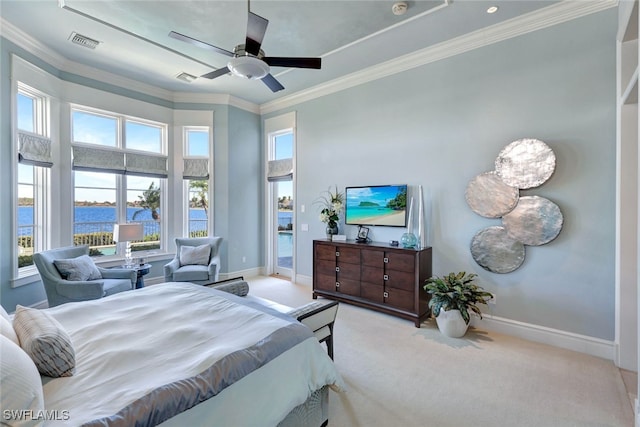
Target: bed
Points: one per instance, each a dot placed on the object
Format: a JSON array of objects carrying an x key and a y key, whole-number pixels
[{"x": 178, "y": 354}]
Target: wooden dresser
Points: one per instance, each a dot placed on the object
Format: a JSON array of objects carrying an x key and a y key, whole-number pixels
[{"x": 373, "y": 275}]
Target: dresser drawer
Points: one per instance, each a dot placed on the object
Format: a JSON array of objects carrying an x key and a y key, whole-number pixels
[
  {"x": 326, "y": 267},
  {"x": 372, "y": 275},
  {"x": 349, "y": 287},
  {"x": 400, "y": 262},
  {"x": 325, "y": 283},
  {"x": 372, "y": 258},
  {"x": 350, "y": 255},
  {"x": 347, "y": 271},
  {"x": 399, "y": 298},
  {"x": 400, "y": 280},
  {"x": 372, "y": 292},
  {"x": 325, "y": 252}
]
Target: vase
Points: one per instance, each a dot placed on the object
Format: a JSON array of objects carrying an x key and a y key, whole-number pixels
[
  {"x": 451, "y": 323},
  {"x": 409, "y": 240},
  {"x": 332, "y": 228}
]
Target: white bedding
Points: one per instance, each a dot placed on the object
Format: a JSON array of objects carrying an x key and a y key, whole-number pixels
[{"x": 132, "y": 343}]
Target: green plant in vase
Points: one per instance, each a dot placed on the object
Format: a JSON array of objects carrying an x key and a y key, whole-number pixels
[
  {"x": 331, "y": 204},
  {"x": 455, "y": 292}
]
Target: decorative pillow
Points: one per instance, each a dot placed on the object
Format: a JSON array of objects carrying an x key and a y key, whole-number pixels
[
  {"x": 6, "y": 329},
  {"x": 44, "y": 339},
  {"x": 195, "y": 255},
  {"x": 20, "y": 383},
  {"x": 81, "y": 268}
]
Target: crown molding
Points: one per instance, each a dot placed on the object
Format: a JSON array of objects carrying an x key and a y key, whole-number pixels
[
  {"x": 31, "y": 45},
  {"x": 533, "y": 21},
  {"x": 216, "y": 98}
]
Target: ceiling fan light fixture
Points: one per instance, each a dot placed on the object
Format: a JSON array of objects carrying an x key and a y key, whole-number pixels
[{"x": 248, "y": 67}]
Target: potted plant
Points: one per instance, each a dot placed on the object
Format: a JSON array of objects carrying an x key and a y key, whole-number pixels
[
  {"x": 331, "y": 204},
  {"x": 452, "y": 296}
]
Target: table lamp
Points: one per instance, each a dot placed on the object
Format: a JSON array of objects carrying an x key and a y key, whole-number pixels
[{"x": 128, "y": 233}]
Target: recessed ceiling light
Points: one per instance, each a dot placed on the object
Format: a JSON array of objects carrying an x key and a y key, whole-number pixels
[
  {"x": 492, "y": 9},
  {"x": 399, "y": 8}
]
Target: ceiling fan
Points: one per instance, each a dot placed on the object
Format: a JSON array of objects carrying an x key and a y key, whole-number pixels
[{"x": 248, "y": 60}]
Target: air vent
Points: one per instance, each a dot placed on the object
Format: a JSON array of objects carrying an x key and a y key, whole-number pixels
[
  {"x": 83, "y": 40},
  {"x": 186, "y": 77}
]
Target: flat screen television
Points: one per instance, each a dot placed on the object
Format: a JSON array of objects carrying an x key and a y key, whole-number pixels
[{"x": 376, "y": 205}]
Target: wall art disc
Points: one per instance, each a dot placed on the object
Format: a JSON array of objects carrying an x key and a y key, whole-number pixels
[
  {"x": 525, "y": 163},
  {"x": 494, "y": 250},
  {"x": 534, "y": 221},
  {"x": 488, "y": 195}
]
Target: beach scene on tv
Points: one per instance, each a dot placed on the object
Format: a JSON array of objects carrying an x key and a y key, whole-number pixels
[{"x": 383, "y": 205}]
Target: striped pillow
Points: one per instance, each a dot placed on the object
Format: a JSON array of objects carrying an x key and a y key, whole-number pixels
[{"x": 44, "y": 339}]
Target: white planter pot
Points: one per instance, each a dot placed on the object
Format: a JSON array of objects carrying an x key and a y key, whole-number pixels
[{"x": 451, "y": 323}]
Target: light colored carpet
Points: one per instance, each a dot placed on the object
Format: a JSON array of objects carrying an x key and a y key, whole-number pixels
[{"x": 399, "y": 375}]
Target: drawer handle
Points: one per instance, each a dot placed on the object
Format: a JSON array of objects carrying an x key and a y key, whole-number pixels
[
  {"x": 385, "y": 277},
  {"x": 385, "y": 260},
  {"x": 337, "y": 284},
  {"x": 386, "y": 294},
  {"x": 337, "y": 253},
  {"x": 337, "y": 269}
]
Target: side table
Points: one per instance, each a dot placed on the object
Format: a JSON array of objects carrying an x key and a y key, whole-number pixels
[{"x": 142, "y": 270}]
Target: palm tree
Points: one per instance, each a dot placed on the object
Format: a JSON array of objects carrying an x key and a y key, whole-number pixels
[
  {"x": 201, "y": 199},
  {"x": 150, "y": 199}
]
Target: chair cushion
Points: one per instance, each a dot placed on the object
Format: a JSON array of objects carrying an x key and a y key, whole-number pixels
[
  {"x": 4, "y": 313},
  {"x": 20, "y": 382},
  {"x": 195, "y": 255},
  {"x": 189, "y": 273},
  {"x": 113, "y": 286},
  {"x": 81, "y": 268},
  {"x": 44, "y": 339}
]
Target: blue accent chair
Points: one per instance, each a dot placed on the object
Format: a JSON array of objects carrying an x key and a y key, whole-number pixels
[
  {"x": 198, "y": 274},
  {"x": 60, "y": 291}
]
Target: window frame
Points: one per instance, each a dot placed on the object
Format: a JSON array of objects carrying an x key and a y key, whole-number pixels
[
  {"x": 41, "y": 237},
  {"x": 187, "y": 182},
  {"x": 122, "y": 184}
]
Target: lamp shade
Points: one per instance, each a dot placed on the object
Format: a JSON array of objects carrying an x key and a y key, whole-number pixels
[{"x": 128, "y": 232}]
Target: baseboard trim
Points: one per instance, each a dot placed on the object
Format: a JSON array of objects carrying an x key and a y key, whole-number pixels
[{"x": 555, "y": 337}]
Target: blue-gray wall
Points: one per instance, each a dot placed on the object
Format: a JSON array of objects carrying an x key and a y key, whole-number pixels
[{"x": 442, "y": 124}]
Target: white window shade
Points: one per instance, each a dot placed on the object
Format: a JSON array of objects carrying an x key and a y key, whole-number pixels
[
  {"x": 280, "y": 170},
  {"x": 34, "y": 150},
  {"x": 196, "y": 168},
  {"x": 146, "y": 165},
  {"x": 98, "y": 160}
]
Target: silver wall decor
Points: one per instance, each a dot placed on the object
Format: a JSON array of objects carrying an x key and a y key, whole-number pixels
[
  {"x": 494, "y": 250},
  {"x": 531, "y": 220},
  {"x": 535, "y": 221},
  {"x": 526, "y": 163},
  {"x": 489, "y": 196}
]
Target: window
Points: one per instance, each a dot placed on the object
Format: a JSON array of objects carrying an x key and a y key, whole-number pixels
[
  {"x": 32, "y": 127},
  {"x": 119, "y": 175},
  {"x": 196, "y": 166}
]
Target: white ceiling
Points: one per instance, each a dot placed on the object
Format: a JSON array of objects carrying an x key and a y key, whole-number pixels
[{"x": 348, "y": 35}]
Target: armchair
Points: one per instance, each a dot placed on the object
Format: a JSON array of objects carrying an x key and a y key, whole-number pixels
[
  {"x": 60, "y": 291},
  {"x": 200, "y": 271}
]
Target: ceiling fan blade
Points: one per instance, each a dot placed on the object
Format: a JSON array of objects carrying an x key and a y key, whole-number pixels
[
  {"x": 217, "y": 73},
  {"x": 199, "y": 43},
  {"x": 256, "y": 27},
  {"x": 276, "y": 61},
  {"x": 272, "y": 83}
]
